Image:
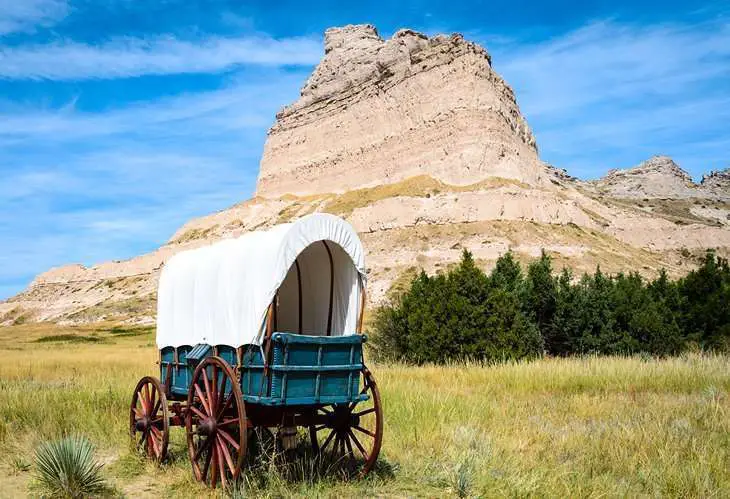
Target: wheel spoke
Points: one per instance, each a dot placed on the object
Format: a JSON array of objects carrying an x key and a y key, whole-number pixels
[
  {"x": 221, "y": 465},
  {"x": 146, "y": 398},
  {"x": 199, "y": 392},
  {"x": 226, "y": 422},
  {"x": 221, "y": 404},
  {"x": 227, "y": 455},
  {"x": 214, "y": 393},
  {"x": 334, "y": 455},
  {"x": 137, "y": 412},
  {"x": 156, "y": 441},
  {"x": 358, "y": 445},
  {"x": 349, "y": 447},
  {"x": 153, "y": 397},
  {"x": 156, "y": 408},
  {"x": 229, "y": 438},
  {"x": 197, "y": 412},
  {"x": 226, "y": 405},
  {"x": 206, "y": 385},
  {"x": 363, "y": 430},
  {"x": 363, "y": 413},
  {"x": 320, "y": 427},
  {"x": 327, "y": 441},
  {"x": 214, "y": 466},
  {"x": 150, "y": 444}
]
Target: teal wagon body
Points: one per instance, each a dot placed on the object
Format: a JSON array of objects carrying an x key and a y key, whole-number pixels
[
  {"x": 305, "y": 370},
  {"x": 260, "y": 339}
]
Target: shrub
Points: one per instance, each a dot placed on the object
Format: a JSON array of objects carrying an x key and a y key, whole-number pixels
[
  {"x": 465, "y": 314},
  {"x": 66, "y": 468}
]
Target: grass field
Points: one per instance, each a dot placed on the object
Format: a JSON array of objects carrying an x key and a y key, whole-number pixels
[{"x": 555, "y": 427}]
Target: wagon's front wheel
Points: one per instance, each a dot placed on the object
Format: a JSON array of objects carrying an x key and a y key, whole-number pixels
[
  {"x": 148, "y": 418},
  {"x": 350, "y": 435},
  {"x": 215, "y": 423}
]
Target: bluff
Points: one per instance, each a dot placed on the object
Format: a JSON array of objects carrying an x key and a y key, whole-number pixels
[
  {"x": 421, "y": 146},
  {"x": 379, "y": 111}
]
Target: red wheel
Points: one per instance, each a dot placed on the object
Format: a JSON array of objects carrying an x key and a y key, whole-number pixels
[
  {"x": 215, "y": 423},
  {"x": 353, "y": 433},
  {"x": 148, "y": 418}
]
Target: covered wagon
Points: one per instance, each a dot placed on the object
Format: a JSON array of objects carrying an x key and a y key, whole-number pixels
[{"x": 263, "y": 331}]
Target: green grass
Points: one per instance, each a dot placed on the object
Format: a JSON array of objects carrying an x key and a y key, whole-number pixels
[{"x": 554, "y": 427}]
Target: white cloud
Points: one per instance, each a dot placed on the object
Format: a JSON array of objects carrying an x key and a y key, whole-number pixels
[
  {"x": 26, "y": 15},
  {"x": 129, "y": 57},
  {"x": 88, "y": 187},
  {"x": 608, "y": 95}
]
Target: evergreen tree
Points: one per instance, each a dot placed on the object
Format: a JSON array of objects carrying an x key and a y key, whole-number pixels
[
  {"x": 540, "y": 297},
  {"x": 465, "y": 314}
]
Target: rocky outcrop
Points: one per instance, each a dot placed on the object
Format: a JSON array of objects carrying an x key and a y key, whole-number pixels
[
  {"x": 658, "y": 177},
  {"x": 718, "y": 182},
  {"x": 377, "y": 111}
]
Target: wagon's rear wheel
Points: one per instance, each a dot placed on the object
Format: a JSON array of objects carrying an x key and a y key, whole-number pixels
[
  {"x": 148, "y": 418},
  {"x": 353, "y": 433},
  {"x": 215, "y": 423}
]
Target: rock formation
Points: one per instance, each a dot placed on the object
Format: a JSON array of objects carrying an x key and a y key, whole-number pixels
[
  {"x": 421, "y": 146},
  {"x": 658, "y": 177},
  {"x": 377, "y": 111},
  {"x": 717, "y": 181}
]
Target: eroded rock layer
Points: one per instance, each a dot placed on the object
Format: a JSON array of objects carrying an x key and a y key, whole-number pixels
[{"x": 376, "y": 111}]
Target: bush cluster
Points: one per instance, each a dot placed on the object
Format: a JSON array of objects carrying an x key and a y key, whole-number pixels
[{"x": 511, "y": 314}]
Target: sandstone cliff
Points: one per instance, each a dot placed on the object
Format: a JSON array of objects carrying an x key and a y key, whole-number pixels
[
  {"x": 377, "y": 111},
  {"x": 421, "y": 146}
]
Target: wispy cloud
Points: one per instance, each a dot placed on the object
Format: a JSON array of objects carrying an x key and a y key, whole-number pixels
[
  {"x": 26, "y": 15},
  {"x": 87, "y": 187},
  {"x": 609, "y": 94},
  {"x": 129, "y": 57}
]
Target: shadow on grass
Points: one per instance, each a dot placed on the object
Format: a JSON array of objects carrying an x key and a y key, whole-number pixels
[
  {"x": 122, "y": 331},
  {"x": 69, "y": 338},
  {"x": 270, "y": 471}
]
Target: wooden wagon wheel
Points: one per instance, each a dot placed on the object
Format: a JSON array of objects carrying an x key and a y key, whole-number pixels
[
  {"x": 215, "y": 423},
  {"x": 148, "y": 418},
  {"x": 353, "y": 433}
]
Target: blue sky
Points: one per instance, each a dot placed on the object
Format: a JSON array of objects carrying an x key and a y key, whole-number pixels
[{"x": 122, "y": 119}]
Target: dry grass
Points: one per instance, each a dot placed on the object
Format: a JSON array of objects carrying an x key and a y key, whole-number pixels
[
  {"x": 418, "y": 186},
  {"x": 194, "y": 234},
  {"x": 554, "y": 427},
  {"x": 592, "y": 247},
  {"x": 118, "y": 310}
]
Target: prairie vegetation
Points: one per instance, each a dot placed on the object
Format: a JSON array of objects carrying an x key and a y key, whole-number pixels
[
  {"x": 464, "y": 313},
  {"x": 585, "y": 426}
]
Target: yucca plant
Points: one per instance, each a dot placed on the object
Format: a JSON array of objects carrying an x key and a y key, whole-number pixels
[{"x": 66, "y": 468}]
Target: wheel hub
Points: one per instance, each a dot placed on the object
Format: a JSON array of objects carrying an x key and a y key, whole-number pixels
[
  {"x": 207, "y": 426},
  {"x": 142, "y": 424}
]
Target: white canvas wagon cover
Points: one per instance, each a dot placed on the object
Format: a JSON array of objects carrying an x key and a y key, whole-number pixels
[{"x": 220, "y": 294}]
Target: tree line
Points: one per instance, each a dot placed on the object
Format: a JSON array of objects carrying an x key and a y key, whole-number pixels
[{"x": 465, "y": 313}]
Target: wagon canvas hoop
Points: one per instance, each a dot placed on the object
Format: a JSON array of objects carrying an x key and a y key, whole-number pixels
[{"x": 313, "y": 270}]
